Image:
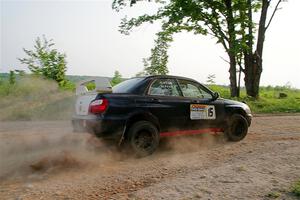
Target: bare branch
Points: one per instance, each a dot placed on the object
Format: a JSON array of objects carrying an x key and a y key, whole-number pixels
[
  {"x": 276, "y": 8},
  {"x": 241, "y": 67},
  {"x": 224, "y": 60}
]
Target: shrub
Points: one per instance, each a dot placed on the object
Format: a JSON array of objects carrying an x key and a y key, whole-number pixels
[{"x": 296, "y": 189}]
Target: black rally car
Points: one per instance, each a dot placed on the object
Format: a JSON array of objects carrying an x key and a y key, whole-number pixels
[{"x": 142, "y": 110}]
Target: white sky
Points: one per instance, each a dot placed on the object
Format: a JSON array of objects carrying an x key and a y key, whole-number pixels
[{"x": 87, "y": 31}]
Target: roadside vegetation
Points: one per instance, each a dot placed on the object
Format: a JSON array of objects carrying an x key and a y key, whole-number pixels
[
  {"x": 278, "y": 99},
  {"x": 34, "y": 98},
  {"x": 292, "y": 192},
  {"x": 296, "y": 189}
]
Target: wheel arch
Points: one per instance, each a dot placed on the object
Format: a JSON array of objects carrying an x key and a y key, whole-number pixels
[
  {"x": 235, "y": 110},
  {"x": 232, "y": 109},
  {"x": 141, "y": 116}
]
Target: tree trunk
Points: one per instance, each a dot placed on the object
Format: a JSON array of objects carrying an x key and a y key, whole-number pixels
[
  {"x": 253, "y": 61},
  {"x": 248, "y": 60},
  {"x": 230, "y": 52},
  {"x": 232, "y": 75}
]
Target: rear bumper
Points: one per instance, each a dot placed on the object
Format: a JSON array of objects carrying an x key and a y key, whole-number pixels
[{"x": 104, "y": 128}]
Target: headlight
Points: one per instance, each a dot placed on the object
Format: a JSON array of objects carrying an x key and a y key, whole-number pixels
[{"x": 247, "y": 109}]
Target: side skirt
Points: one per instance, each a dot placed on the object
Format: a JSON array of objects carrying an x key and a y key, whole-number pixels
[{"x": 191, "y": 132}]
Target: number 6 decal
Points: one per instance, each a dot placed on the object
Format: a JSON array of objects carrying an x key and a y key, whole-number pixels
[
  {"x": 211, "y": 112},
  {"x": 202, "y": 111}
]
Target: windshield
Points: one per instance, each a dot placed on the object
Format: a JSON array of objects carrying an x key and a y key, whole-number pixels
[{"x": 126, "y": 86}]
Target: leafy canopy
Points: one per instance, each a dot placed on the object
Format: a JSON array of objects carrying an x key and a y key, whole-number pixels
[
  {"x": 46, "y": 61},
  {"x": 117, "y": 78},
  {"x": 226, "y": 20}
]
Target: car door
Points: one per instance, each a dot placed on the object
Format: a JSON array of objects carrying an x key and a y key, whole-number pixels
[
  {"x": 165, "y": 101},
  {"x": 204, "y": 111}
]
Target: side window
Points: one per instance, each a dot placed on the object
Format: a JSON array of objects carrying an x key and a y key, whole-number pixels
[
  {"x": 164, "y": 87},
  {"x": 193, "y": 90}
]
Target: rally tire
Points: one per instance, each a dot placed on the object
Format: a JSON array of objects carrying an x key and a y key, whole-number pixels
[
  {"x": 237, "y": 128},
  {"x": 143, "y": 138}
]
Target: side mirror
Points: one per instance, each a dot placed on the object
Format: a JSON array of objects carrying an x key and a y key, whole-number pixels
[{"x": 216, "y": 95}]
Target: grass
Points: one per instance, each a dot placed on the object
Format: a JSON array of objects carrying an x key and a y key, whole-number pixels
[
  {"x": 274, "y": 195},
  {"x": 269, "y": 100},
  {"x": 293, "y": 191},
  {"x": 296, "y": 189},
  {"x": 33, "y": 98}
]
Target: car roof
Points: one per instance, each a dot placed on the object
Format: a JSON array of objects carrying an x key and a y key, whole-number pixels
[{"x": 169, "y": 76}]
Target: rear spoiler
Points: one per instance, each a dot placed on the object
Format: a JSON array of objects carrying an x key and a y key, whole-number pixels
[{"x": 102, "y": 85}]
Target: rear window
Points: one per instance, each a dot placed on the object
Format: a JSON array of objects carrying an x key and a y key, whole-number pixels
[{"x": 126, "y": 86}]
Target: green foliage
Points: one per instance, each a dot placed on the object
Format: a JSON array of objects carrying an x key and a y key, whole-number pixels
[
  {"x": 274, "y": 195},
  {"x": 224, "y": 91},
  {"x": 156, "y": 64},
  {"x": 230, "y": 22},
  {"x": 46, "y": 61},
  {"x": 200, "y": 17},
  {"x": 211, "y": 79},
  {"x": 296, "y": 189},
  {"x": 34, "y": 98},
  {"x": 68, "y": 85},
  {"x": 269, "y": 101},
  {"x": 20, "y": 72},
  {"x": 116, "y": 79},
  {"x": 12, "y": 77},
  {"x": 91, "y": 85},
  {"x": 27, "y": 85}
]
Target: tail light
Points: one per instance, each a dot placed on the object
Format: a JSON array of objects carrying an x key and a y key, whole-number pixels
[{"x": 98, "y": 106}]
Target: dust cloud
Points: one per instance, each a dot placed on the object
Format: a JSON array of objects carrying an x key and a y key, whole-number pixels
[
  {"x": 183, "y": 144},
  {"x": 35, "y": 98},
  {"x": 31, "y": 143},
  {"x": 31, "y": 148},
  {"x": 36, "y": 137}
]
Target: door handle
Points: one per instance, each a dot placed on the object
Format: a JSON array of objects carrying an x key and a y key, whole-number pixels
[{"x": 155, "y": 100}]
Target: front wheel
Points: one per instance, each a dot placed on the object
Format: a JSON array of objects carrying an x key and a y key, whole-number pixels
[
  {"x": 237, "y": 128},
  {"x": 143, "y": 138}
]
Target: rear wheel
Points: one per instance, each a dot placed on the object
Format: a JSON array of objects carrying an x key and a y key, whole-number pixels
[
  {"x": 143, "y": 138},
  {"x": 237, "y": 128}
]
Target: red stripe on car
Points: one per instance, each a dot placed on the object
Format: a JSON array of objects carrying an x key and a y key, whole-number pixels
[{"x": 191, "y": 132}]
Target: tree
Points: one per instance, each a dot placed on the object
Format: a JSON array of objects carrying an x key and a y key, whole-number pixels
[
  {"x": 12, "y": 77},
  {"x": 211, "y": 79},
  {"x": 46, "y": 61},
  {"x": 229, "y": 21},
  {"x": 253, "y": 60},
  {"x": 20, "y": 72},
  {"x": 157, "y": 63},
  {"x": 117, "y": 78}
]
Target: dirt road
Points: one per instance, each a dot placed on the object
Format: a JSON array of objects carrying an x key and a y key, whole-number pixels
[{"x": 45, "y": 160}]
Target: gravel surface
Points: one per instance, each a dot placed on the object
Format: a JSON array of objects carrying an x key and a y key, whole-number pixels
[{"x": 45, "y": 160}]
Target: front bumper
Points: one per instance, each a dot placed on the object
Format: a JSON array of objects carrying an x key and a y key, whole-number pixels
[{"x": 249, "y": 118}]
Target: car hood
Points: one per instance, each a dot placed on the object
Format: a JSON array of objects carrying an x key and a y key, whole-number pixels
[{"x": 228, "y": 102}]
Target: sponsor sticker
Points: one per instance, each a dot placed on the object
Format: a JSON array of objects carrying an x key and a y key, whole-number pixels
[{"x": 200, "y": 111}]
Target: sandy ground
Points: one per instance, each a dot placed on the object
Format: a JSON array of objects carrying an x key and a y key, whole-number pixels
[{"x": 45, "y": 160}]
